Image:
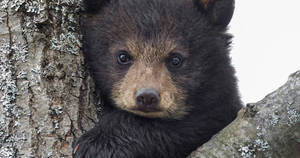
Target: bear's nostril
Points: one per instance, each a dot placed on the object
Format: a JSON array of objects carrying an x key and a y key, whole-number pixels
[
  {"x": 147, "y": 98},
  {"x": 140, "y": 100},
  {"x": 154, "y": 100}
]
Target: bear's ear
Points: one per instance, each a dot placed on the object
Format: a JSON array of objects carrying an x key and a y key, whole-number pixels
[
  {"x": 219, "y": 12},
  {"x": 93, "y": 6}
]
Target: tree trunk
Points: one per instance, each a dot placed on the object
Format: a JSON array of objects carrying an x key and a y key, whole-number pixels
[{"x": 47, "y": 96}]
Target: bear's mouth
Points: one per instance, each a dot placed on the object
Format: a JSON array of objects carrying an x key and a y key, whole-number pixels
[
  {"x": 146, "y": 109},
  {"x": 149, "y": 113}
]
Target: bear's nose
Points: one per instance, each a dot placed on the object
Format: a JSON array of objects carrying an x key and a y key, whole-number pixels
[{"x": 147, "y": 100}]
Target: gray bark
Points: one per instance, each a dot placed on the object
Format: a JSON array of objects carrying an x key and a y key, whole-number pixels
[
  {"x": 47, "y": 96},
  {"x": 267, "y": 129}
]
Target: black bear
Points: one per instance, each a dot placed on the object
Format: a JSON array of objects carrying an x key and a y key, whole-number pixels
[{"x": 164, "y": 72}]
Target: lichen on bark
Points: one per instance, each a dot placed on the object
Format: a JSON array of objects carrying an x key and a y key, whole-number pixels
[{"x": 46, "y": 94}]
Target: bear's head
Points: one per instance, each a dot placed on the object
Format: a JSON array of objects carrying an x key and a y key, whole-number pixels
[{"x": 161, "y": 58}]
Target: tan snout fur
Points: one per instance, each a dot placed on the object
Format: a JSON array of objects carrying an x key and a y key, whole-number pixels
[{"x": 156, "y": 77}]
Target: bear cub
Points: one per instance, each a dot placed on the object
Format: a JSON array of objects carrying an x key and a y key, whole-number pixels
[{"x": 164, "y": 73}]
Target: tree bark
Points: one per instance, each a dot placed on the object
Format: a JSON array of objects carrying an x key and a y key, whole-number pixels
[
  {"x": 267, "y": 129},
  {"x": 46, "y": 94},
  {"x": 47, "y": 97}
]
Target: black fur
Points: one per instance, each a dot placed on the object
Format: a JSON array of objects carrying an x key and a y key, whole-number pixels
[
  {"x": 92, "y": 6},
  {"x": 207, "y": 76},
  {"x": 218, "y": 11}
]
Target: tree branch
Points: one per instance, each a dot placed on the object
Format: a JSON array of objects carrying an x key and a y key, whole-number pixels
[{"x": 268, "y": 128}]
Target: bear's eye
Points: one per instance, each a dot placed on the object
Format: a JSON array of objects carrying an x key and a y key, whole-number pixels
[
  {"x": 124, "y": 58},
  {"x": 175, "y": 60}
]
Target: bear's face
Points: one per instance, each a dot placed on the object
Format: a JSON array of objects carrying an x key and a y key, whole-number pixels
[
  {"x": 148, "y": 86},
  {"x": 152, "y": 57}
]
